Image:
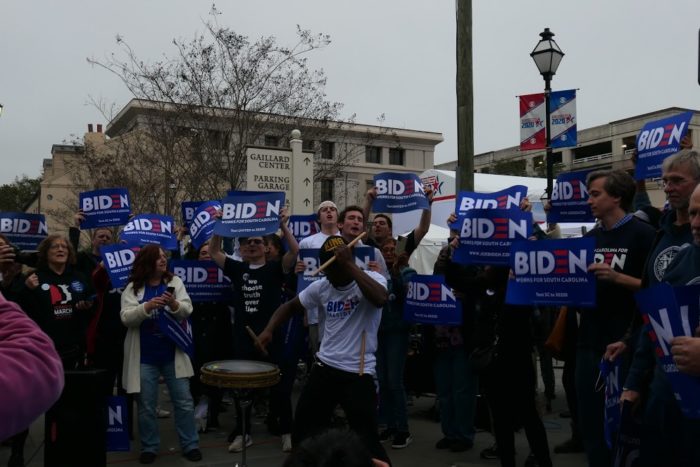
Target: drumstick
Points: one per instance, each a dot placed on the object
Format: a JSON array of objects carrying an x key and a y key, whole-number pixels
[
  {"x": 362, "y": 352},
  {"x": 256, "y": 340},
  {"x": 330, "y": 261}
]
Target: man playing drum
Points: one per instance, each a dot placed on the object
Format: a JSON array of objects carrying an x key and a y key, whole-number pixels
[{"x": 352, "y": 301}]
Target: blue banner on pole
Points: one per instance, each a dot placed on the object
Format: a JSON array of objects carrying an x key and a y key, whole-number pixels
[
  {"x": 150, "y": 228},
  {"x": 658, "y": 140},
  {"x": 202, "y": 224},
  {"x": 670, "y": 312},
  {"x": 203, "y": 280},
  {"x": 430, "y": 301},
  {"x": 611, "y": 376},
  {"x": 188, "y": 208},
  {"x": 552, "y": 272},
  {"x": 562, "y": 117},
  {"x": 303, "y": 226},
  {"x": 485, "y": 235},
  {"x": 246, "y": 215},
  {"x": 25, "y": 231},
  {"x": 569, "y": 201},
  {"x": 104, "y": 208},
  {"x": 509, "y": 198},
  {"x": 118, "y": 261},
  {"x": 399, "y": 192},
  {"x": 117, "y": 424}
]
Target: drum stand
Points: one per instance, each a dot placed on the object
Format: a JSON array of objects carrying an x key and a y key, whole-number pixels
[{"x": 244, "y": 396}]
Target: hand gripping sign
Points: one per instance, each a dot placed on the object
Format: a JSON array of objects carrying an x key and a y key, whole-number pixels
[
  {"x": 670, "y": 312},
  {"x": 104, "y": 208},
  {"x": 246, "y": 215},
  {"x": 399, "y": 192}
]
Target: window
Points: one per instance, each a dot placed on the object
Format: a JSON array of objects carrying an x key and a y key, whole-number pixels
[
  {"x": 272, "y": 141},
  {"x": 396, "y": 156},
  {"x": 327, "y": 189},
  {"x": 308, "y": 145},
  {"x": 327, "y": 149},
  {"x": 373, "y": 154}
]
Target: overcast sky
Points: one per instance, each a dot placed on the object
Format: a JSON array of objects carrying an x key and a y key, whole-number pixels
[{"x": 626, "y": 57}]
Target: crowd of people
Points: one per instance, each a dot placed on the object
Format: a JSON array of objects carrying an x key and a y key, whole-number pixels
[{"x": 350, "y": 328}]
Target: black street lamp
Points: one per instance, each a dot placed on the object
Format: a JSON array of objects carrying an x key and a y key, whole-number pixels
[{"x": 547, "y": 56}]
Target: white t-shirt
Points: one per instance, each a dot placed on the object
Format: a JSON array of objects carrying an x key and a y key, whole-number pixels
[
  {"x": 314, "y": 241},
  {"x": 346, "y": 315}
]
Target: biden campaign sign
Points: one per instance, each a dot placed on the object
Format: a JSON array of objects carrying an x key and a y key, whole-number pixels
[
  {"x": 552, "y": 272},
  {"x": 485, "y": 235},
  {"x": 188, "y": 208},
  {"x": 610, "y": 375},
  {"x": 430, "y": 301},
  {"x": 509, "y": 198},
  {"x": 399, "y": 192},
  {"x": 245, "y": 215},
  {"x": 150, "y": 228},
  {"x": 569, "y": 201},
  {"x": 117, "y": 424},
  {"x": 118, "y": 261},
  {"x": 104, "y": 208},
  {"x": 658, "y": 140},
  {"x": 25, "y": 231},
  {"x": 203, "y": 221},
  {"x": 670, "y": 312},
  {"x": 303, "y": 226},
  {"x": 203, "y": 280}
]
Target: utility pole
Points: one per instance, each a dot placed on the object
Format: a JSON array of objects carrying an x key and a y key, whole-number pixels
[{"x": 465, "y": 97}]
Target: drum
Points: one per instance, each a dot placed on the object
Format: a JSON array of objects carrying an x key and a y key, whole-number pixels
[{"x": 240, "y": 374}]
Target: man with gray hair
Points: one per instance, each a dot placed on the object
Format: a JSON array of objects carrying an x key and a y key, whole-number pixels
[{"x": 662, "y": 420}]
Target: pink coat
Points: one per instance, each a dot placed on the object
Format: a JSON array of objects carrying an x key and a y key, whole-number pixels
[{"x": 31, "y": 373}]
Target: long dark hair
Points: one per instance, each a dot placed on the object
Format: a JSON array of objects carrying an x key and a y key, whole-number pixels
[{"x": 144, "y": 265}]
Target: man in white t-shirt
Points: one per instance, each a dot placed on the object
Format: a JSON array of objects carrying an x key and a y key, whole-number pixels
[{"x": 352, "y": 301}]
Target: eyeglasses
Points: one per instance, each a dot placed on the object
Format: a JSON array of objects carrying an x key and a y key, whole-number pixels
[
  {"x": 252, "y": 241},
  {"x": 674, "y": 181},
  {"x": 58, "y": 246}
]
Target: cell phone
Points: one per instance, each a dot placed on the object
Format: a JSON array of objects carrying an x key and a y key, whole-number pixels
[
  {"x": 170, "y": 290},
  {"x": 401, "y": 244}
]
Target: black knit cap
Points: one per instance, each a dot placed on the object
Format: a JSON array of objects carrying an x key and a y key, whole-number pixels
[{"x": 326, "y": 251}]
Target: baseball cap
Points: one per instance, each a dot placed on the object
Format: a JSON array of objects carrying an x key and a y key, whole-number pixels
[{"x": 326, "y": 251}]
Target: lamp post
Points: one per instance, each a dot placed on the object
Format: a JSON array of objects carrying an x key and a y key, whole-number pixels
[{"x": 547, "y": 56}]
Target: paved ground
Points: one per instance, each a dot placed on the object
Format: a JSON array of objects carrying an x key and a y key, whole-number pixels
[{"x": 266, "y": 450}]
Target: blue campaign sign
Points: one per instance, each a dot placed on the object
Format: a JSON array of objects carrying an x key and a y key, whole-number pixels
[
  {"x": 611, "y": 377},
  {"x": 247, "y": 215},
  {"x": 430, "y": 301},
  {"x": 118, "y": 261},
  {"x": 552, "y": 272},
  {"x": 104, "y": 208},
  {"x": 569, "y": 201},
  {"x": 308, "y": 256},
  {"x": 399, "y": 192},
  {"x": 25, "y": 231},
  {"x": 203, "y": 280},
  {"x": 202, "y": 224},
  {"x": 670, "y": 312},
  {"x": 656, "y": 141},
  {"x": 150, "y": 228},
  {"x": 117, "y": 424},
  {"x": 303, "y": 226},
  {"x": 188, "y": 208},
  {"x": 509, "y": 198},
  {"x": 485, "y": 235}
]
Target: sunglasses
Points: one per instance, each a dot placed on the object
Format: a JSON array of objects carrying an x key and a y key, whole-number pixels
[{"x": 252, "y": 241}]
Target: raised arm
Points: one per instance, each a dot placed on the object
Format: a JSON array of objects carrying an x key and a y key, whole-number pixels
[
  {"x": 424, "y": 223},
  {"x": 215, "y": 251},
  {"x": 373, "y": 291},
  {"x": 291, "y": 254},
  {"x": 370, "y": 196}
]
